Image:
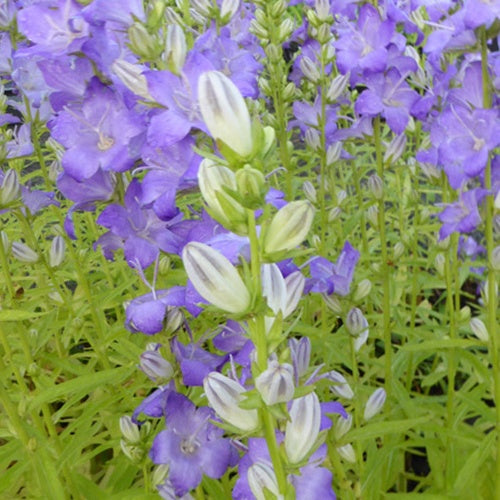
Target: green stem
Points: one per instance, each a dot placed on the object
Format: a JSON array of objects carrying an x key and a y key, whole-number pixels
[
  {"x": 491, "y": 305},
  {"x": 5, "y": 267},
  {"x": 384, "y": 268},
  {"x": 357, "y": 409}
]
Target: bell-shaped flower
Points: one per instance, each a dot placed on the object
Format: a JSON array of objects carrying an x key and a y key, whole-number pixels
[
  {"x": 224, "y": 112},
  {"x": 224, "y": 395},
  {"x": 375, "y": 403},
  {"x": 275, "y": 384},
  {"x": 215, "y": 278},
  {"x": 289, "y": 227},
  {"x": 303, "y": 427}
]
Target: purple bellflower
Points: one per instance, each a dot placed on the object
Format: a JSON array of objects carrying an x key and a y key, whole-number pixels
[
  {"x": 191, "y": 446},
  {"x": 96, "y": 134}
]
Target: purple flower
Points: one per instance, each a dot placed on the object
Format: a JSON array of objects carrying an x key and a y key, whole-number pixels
[
  {"x": 154, "y": 405},
  {"x": 96, "y": 134},
  {"x": 138, "y": 230},
  {"x": 390, "y": 96},
  {"x": 191, "y": 446},
  {"x": 117, "y": 11},
  {"x": 327, "y": 277},
  {"x": 463, "y": 215}
]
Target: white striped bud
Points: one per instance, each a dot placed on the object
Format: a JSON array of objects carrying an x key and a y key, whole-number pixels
[
  {"x": 228, "y": 9},
  {"x": 340, "y": 386},
  {"x": 310, "y": 191},
  {"x": 310, "y": 70},
  {"x": 395, "y": 149},
  {"x": 261, "y": 477},
  {"x": 303, "y": 427},
  {"x": 275, "y": 384},
  {"x": 10, "y": 189},
  {"x": 363, "y": 289},
  {"x": 479, "y": 329},
  {"x": 347, "y": 453},
  {"x": 129, "y": 430},
  {"x": 224, "y": 395},
  {"x": 175, "y": 48},
  {"x": 23, "y": 252},
  {"x": 295, "y": 283},
  {"x": 155, "y": 366},
  {"x": 355, "y": 322},
  {"x": 342, "y": 426},
  {"x": 300, "y": 352},
  {"x": 337, "y": 87},
  {"x": 224, "y": 112},
  {"x": 289, "y": 227},
  {"x": 57, "y": 251},
  {"x": 375, "y": 403},
  {"x": 131, "y": 76},
  {"x": 215, "y": 278}
]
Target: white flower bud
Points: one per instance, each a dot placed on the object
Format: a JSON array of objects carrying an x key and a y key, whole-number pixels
[
  {"x": 131, "y": 76},
  {"x": 215, "y": 278},
  {"x": 376, "y": 186},
  {"x": 300, "y": 351},
  {"x": 495, "y": 258},
  {"x": 341, "y": 196},
  {"x": 398, "y": 250},
  {"x": 356, "y": 322},
  {"x": 134, "y": 453},
  {"x": 333, "y": 303},
  {"x": 4, "y": 241},
  {"x": 11, "y": 189},
  {"x": 479, "y": 329},
  {"x": 295, "y": 283},
  {"x": 303, "y": 427},
  {"x": 337, "y": 87},
  {"x": 310, "y": 70},
  {"x": 342, "y": 426},
  {"x": 202, "y": 6},
  {"x": 155, "y": 366},
  {"x": 285, "y": 29},
  {"x": 322, "y": 8},
  {"x": 333, "y": 153},
  {"x": 395, "y": 149},
  {"x": 334, "y": 213},
  {"x": 275, "y": 384},
  {"x": 224, "y": 395},
  {"x": 310, "y": 191},
  {"x": 363, "y": 289},
  {"x": 174, "y": 320},
  {"x": 160, "y": 474},
  {"x": 261, "y": 477},
  {"x": 375, "y": 403},
  {"x": 175, "y": 48},
  {"x": 129, "y": 430},
  {"x": 225, "y": 112},
  {"x": 340, "y": 386},
  {"x": 213, "y": 179},
  {"x": 273, "y": 287},
  {"x": 372, "y": 215},
  {"x": 347, "y": 453},
  {"x": 289, "y": 227},
  {"x": 439, "y": 263},
  {"x": 228, "y": 9},
  {"x": 57, "y": 251},
  {"x": 23, "y": 252},
  {"x": 312, "y": 139}
]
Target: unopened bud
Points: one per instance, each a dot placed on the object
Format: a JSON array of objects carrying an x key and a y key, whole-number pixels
[
  {"x": 376, "y": 186},
  {"x": 479, "y": 329},
  {"x": 333, "y": 153},
  {"x": 398, "y": 250},
  {"x": 285, "y": 29},
  {"x": 375, "y": 403},
  {"x": 337, "y": 87},
  {"x": 347, "y": 453},
  {"x": 57, "y": 251},
  {"x": 160, "y": 473},
  {"x": 303, "y": 427},
  {"x": 355, "y": 322},
  {"x": 294, "y": 283},
  {"x": 141, "y": 42},
  {"x": 289, "y": 91},
  {"x": 228, "y": 9},
  {"x": 202, "y": 6},
  {"x": 215, "y": 278},
  {"x": 439, "y": 263},
  {"x": 23, "y": 252},
  {"x": 395, "y": 149},
  {"x": 132, "y": 452},
  {"x": 278, "y": 8},
  {"x": 175, "y": 48},
  {"x": 310, "y": 70},
  {"x": 224, "y": 395},
  {"x": 363, "y": 289},
  {"x": 289, "y": 227},
  {"x": 333, "y": 303},
  {"x": 310, "y": 191},
  {"x": 11, "y": 189},
  {"x": 312, "y": 139},
  {"x": 131, "y": 76},
  {"x": 261, "y": 478},
  {"x": 155, "y": 366},
  {"x": 129, "y": 430},
  {"x": 334, "y": 214},
  {"x": 340, "y": 386},
  {"x": 273, "y": 287},
  {"x": 372, "y": 215},
  {"x": 275, "y": 384},
  {"x": 251, "y": 185},
  {"x": 464, "y": 313},
  {"x": 300, "y": 352},
  {"x": 174, "y": 320},
  {"x": 342, "y": 426},
  {"x": 4, "y": 241},
  {"x": 322, "y": 8},
  {"x": 495, "y": 258},
  {"x": 224, "y": 112}
]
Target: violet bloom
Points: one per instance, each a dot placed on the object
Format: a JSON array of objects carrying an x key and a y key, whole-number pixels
[
  {"x": 97, "y": 134},
  {"x": 363, "y": 47},
  {"x": 464, "y": 139},
  {"x": 307, "y": 116},
  {"x": 226, "y": 56},
  {"x": 463, "y": 215},
  {"x": 191, "y": 446},
  {"x": 195, "y": 362},
  {"x": 54, "y": 27},
  {"x": 327, "y": 277},
  {"x": 137, "y": 230},
  {"x": 390, "y": 96},
  {"x": 179, "y": 95}
]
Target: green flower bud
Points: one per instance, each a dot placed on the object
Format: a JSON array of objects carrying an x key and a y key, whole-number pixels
[{"x": 251, "y": 185}]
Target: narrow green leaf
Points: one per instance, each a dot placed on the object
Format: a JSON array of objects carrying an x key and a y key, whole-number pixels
[{"x": 18, "y": 314}]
